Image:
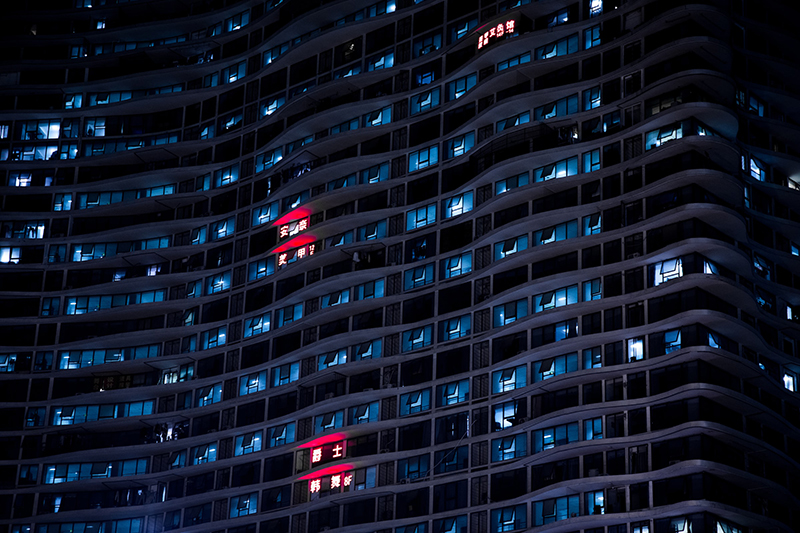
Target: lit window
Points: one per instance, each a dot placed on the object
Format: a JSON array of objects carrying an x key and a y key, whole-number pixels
[
  {"x": 566, "y": 230},
  {"x": 425, "y": 101},
  {"x": 417, "y": 338},
  {"x": 509, "y": 414},
  {"x": 364, "y": 414},
  {"x": 595, "y": 8},
  {"x": 378, "y": 117},
  {"x": 289, "y": 314},
  {"x": 510, "y": 246},
  {"x": 509, "y": 518},
  {"x": 456, "y": 266},
  {"x": 422, "y": 216},
  {"x": 636, "y": 348},
  {"x": 369, "y": 290},
  {"x": 591, "y": 98},
  {"x": 280, "y": 435},
  {"x": 253, "y": 383},
  {"x": 592, "y": 290},
  {"x": 328, "y": 421},
  {"x": 244, "y": 505},
  {"x": 591, "y": 37},
  {"x": 285, "y": 374},
  {"x": 593, "y": 429},
  {"x": 595, "y": 502},
  {"x": 560, "y": 169},
  {"x": 454, "y": 328},
  {"x": 381, "y": 61},
  {"x": 415, "y": 402},
  {"x": 256, "y": 325},
  {"x": 510, "y": 312},
  {"x": 509, "y": 448},
  {"x": 457, "y": 205},
  {"x": 545, "y": 439},
  {"x": 335, "y": 358},
  {"x": 459, "y": 146},
  {"x": 664, "y": 271},
  {"x": 556, "y": 298},
  {"x": 672, "y": 340},
  {"x": 516, "y": 120},
  {"x": 568, "y": 45},
  {"x": 423, "y": 158},
  {"x": 757, "y": 170},
  {"x": 511, "y": 183},
  {"x": 458, "y": 88},
  {"x": 663, "y": 135},
  {"x": 418, "y": 276},
  {"x": 509, "y": 379},
  {"x": 335, "y": 298},
  {"x": 790, "y": 381}
]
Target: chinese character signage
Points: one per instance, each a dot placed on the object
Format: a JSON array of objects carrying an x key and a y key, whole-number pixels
[
  {"x": 290, "y": 256},
  {"x": 290, "y": 229},
  {"x": 334, "y": 483},
  {"x": 496, "y": 32},
  {"x": 325, "y": 453}
]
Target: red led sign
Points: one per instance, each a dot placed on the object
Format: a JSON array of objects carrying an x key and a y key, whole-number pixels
[
  {"x": 326, "y": 453},
  {"x": 290, "y": 256},
  {"x": 496, "y": 32},
  {"x": 336, "y": 483},
  {"x": 293, "y": 228}
]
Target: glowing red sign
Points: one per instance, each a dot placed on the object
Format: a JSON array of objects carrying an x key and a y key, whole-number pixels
[
  {"x": 324, "y": 453},
  {"x": 284, "y": 258},
  {"x": 335, "y": 483},
  {"x": 293, "y": 228},
  {"x": 496, "y": 32}
]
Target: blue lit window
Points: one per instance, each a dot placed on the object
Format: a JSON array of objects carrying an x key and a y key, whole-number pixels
[
  {"x": 511, "y": 246},
  {"x": 253, "y": 383},
  {"x": 413, "y": 468},
  {"x": 256, "y": 325},
  {"x": 507, "y": 313},
  {"x": 593, "y": 429},
  {"x": 415, "y": 402},
  {"x": 265, "y": 213},
  {"x": 452, "y": 459},
  {"x": 461, "y": 29},
  {"x": 664, "y": 271},
  {"x": 238, "y": 21},
  {"x": 555, "y": 366},
  {"x": 656, "y": 138},
  {"x": 367, "y": 350},
  {"x": 289, "y": 314},
  {"x": 456, "y": 266},
  {"x": 592, "y": 358},
  {"x": 364, "y": 413},
  {"x": 558, "y": 18},
  {"x": 426, "y": 45},
  {"x": 194, "y": 289},
  {"x": 457, "y": 205},
  {"x": 423, "y": 158},
  {"x": 381, "y": 61},
  {"x": 453, "y": 524},
  {"x": 208, "y": 395},
  {"x": 206, "y": 453},
  {"x": 273, "y": 54},
  {"x": 557, "y": 298},
  {"x": 511, "y": 183},
  {"x": 285, "y": 374},
  {"x": 8, "y": 363},
  {"x": 296, "y": 200},
  {"x": 346, "y": 72},
  {"x": 222, "y": 228},
  {"x": 234, "y": 72},
  {"x": 563, "y": 231},
  {"x": 375, "y": 174},
  {"x": 568, "y": 45},
  {"x": 280, "y": 435},
  {"x": 757, "y": 169},
  {"x": 459, "y": 146},
  {"x": 339, "y": 240},
  {"x": 560, "y": 169},
  {"x": 425, "y": 101},
  {"x": 261, "y": 268},
  {"x": 672, "y": 340},
  {"x": 510, "y": 518},
  {"x": 458, "y": 88},
  {"x": 592, "y": 290},
  {"x": 591, "y": 37},
  {"x": 595, "y": 7},
  {"x": 508, "y": 414},
  {"x": 347, "y": 125},
  {"x": 272, "y": 105},
  {"x": 514, "y": 61},
  {"x": 555, "y": 509},
  {"x": 375, "y": 230},
  {"x": 226, "y": 176},
  {"x": 244, "y": 505},
  {"x": 268, "y": 159},
  {"x": 509, "y": 379},
  {"x": 591, "y": 98},
  {"x": 516, "y": 120},
  {"x": 369, "y": 290},
  {"x": 247, "y": 443},
  {"x": 452, "y": 393},
  {"x": 418, "y": 276},
  {"x": 299, "y": 143},
  {"x": 592, "y": 224},
  {"x": 559, "y": 108},
  {"x": 378, "y": 117},
  {"x": 454, "y": 328},
  {"x": 591, "y": 160},
  {"x": 345, "y": 181},
  {"x": 218, "y": 282},
  {"x": 334, "y": 358},
  {"x": 421, "y": 216},
  {"x": 545, "y": 439},
  {"x": 335, "y": 298},
  {"x": 510, "y": 447},
  {"x": 328, "y": 421},
  {"x": 414, "y": 339}
]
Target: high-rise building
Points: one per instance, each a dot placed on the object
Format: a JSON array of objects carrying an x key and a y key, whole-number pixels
[{"x": 444, "y": 266}]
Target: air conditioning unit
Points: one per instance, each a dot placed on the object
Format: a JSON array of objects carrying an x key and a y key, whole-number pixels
[
  {"x": 634, "y": 255},
  {"x": 522, "y": 419},
  {"x": 594, "y": 472},
  {"x": 388, "y": 385},
  {"x": 385, "y": 450},
  {"x": 404, "y": 481},
  {"x": 329, "y": 395}
]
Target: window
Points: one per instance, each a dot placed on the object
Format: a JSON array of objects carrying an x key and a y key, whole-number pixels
[
  {"x": 452, "y": 393},
  {"x": 458, "y": 88},
  {"x": 456, "y": 524},
  {"x": 555, "y": 366},
  {"x": 268, "y": 159},
  {"x": 568, "y": 45},
  {"x": 289, "y": 314},
  {"x": 566, "y": 230},
  {"x": 509, "y": 518},
  {"x": 367, "y": 350},
  {"x": 664, "y": 271},
  {"x": 509, "y": 447},
  {"x": 559, "y": 108},
  {"x": 456, "y": 266},
  {"x": 509, "y": 379},
  {"x": 218, "y": 282},
  {"x": 425, "y": 101},
  {"x": 593, "y": 429},
  {"x": 558, "y": 18},
  {"x": 253, "y": 383},
  {"x": 375, "y": 174},
  {"x": 208, "y": 395},
  {"x": 591, "y": 37},
  {"x": 272, "y": 105},
  {"x": 454, "y": 328},
  {"x": 369, "y": 290},
  {"x": 256, "y": 325},
  {"x": 8, "y": 363},
  {"x": 509, "y": 312},
  {"x": 592, "y": 290},
  {"x": 244, "y": 505},
  {"x": 213, "y": 338},
  {"x": 789, "y": 381},
  {"x": 561, "y": 169},
  {"x": 556, "y": 298},
  {"x": 592, "y": 224},
  {"x": 381, "y": 61},
  {"x": 423, "y": 158},
  {"x": 364, "y": 414},
  {"x": 514, "y": 61},
  {"x": 415, "y": 402},
  {"x": 285, "y": 374},
  {"x": 426, "y": 45},
  {"x": 334, "y": 358},
  {"x": 591, "y": 98},
  {"x": 413, "y": 467},
  {"x": 508, "y": 414},
  {"x": 222, "y": 228},
  {"x": 347, "y": 125},
  {"x": 459, "y": 145},
  {"x": 335, "y": 298},
  {"x": 510, "y": 246},
  {"x": 595, "y": 502},
  {"x": 672, "y": 340},
  {"x": 260, "y": 269},
  {"x": 636, "y": 349},
  {"x": 328, "y": 421},
  {"x": 420, "y": 217},
  {"x": 339, "y": 240},
  {"x": 280, "y": 435},
  {"x": 513, "y": 182},
  {"x": 247, "y": 443},
  {"x": 457, "y": 205},
  {"x": 461, "y": 29},
  {"x": 417, "y": 338},
  {"x": 591, "y": 160},
  {"x": 544, "y": 439},
  {"x": 516, "y": 120},
  {"x": 226, "y": 176},
  {"x": 273, "y": 54},
  {"x": 595, "y": 8},
  {"x": 656, "y": 138},
  {"x": 378, "y": 117}
]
